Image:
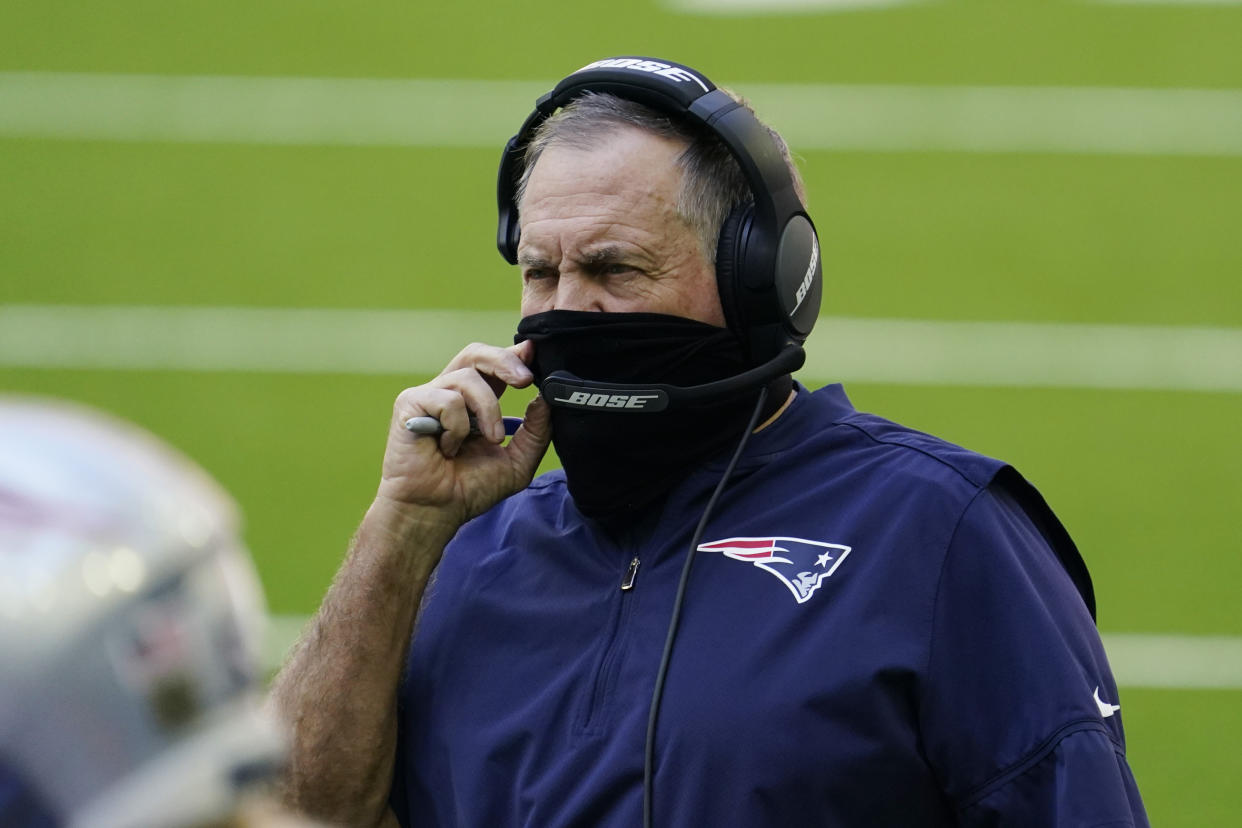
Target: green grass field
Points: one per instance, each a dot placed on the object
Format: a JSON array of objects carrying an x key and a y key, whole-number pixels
[{"x": 1148, "y": 481}]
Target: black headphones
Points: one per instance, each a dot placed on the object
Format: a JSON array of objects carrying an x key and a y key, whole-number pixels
[{"x": 768, "y": 267}]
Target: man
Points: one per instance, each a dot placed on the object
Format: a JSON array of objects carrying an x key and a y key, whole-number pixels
[
  {"x": 130, "y": 626},
  {"x": 878, "y": 629}
]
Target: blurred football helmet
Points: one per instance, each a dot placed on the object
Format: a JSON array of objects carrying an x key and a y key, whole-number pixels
[{"x": 131, "y": 621}]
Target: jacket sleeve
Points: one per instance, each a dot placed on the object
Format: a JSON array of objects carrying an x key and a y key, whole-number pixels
[{"x": 1020, "y": 714}]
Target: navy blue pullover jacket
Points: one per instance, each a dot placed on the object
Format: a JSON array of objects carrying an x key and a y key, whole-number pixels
[{"x": 880, "y": 629}]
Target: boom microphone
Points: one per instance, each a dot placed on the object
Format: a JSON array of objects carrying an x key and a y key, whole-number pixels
[{"x": 563, "y": 389}]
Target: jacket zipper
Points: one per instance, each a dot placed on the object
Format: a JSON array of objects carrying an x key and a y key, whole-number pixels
[
  {"x": 627, "y": 581},
  {"x": 604, "y": 678}
]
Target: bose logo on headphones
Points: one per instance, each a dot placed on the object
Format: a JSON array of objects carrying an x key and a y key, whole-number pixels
[
  {"x": 673, "y": 73},
  {"x": 585, "y": 399},
  {"x": 800, "y": 294}
]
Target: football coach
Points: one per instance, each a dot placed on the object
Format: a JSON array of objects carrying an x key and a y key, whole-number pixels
[{"x": 741, "y": 602}]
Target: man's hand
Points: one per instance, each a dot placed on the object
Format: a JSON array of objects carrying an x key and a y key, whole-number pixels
[
  {"x": 337, "y": 692},
  {"x": 458, "y": 474}
]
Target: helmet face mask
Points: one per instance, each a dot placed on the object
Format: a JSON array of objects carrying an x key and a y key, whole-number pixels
[{"x": 130, "y": 625}]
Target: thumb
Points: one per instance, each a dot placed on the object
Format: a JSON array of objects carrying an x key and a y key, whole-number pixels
[{"x": 530, "y": 443}]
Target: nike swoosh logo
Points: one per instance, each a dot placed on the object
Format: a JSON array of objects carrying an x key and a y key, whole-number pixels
[{"x": 1106, "y": 709}]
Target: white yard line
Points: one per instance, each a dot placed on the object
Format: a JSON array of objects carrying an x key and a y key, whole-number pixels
[
  {"x": 1192, "y": 661},
  {"x": 480, "y": 113},
  {"x": 263, "y": 110},
  {"x": 271, "y": 340},
  {"x": 419, "y": 342},
  {"x": 1027, "y": 354},
  {"x": 1138, "y": 660}
]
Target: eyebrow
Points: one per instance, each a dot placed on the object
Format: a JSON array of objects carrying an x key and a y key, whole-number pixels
[
  {"x": 597, "y": 257},
  {"x": 528, "y": 259},
  {"x": 608, "y": 254}
]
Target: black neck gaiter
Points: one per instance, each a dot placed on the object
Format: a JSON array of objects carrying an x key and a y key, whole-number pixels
[{"x": 619, "y": 463}]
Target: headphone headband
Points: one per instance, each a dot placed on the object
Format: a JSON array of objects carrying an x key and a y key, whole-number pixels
[{"x": 770, "y": 274}]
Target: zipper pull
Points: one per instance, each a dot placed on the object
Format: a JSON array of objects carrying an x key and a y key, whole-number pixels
[{"x": 631, "y": 572}]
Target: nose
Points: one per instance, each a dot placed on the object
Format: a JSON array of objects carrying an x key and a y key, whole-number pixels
[{"x": 574, "y": 292}]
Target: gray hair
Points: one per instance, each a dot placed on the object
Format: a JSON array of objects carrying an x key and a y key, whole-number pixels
[{"x": 712, "y": 183}]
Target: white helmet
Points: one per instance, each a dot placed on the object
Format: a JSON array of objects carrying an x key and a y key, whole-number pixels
[{"x": 130, "y": 624}]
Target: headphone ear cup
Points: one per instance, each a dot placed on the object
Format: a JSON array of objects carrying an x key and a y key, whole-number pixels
[
  {"x": 728, "y": 267},
  {"x": 512, "y": 237},
  {"x": 508, "y": 232}
]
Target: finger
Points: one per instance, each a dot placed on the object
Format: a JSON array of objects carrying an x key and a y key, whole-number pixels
[
  {"x": 456, "y": 423},
  {"x": 480, "y": 399},
  {"x": 447, "y": 405},
  {"x": 531, "y": 441},
  {"x": 501, "y": 367},
  {"x": 525, "y": 351}
]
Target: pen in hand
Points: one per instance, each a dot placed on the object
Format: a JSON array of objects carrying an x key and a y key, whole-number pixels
[{"x": 431, "y": 427}]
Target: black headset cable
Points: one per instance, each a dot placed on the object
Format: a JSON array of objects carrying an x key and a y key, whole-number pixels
[{"x": 658, "y": 691}]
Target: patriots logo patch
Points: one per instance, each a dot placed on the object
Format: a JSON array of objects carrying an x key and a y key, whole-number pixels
[{"x": 802, "y": 565}]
